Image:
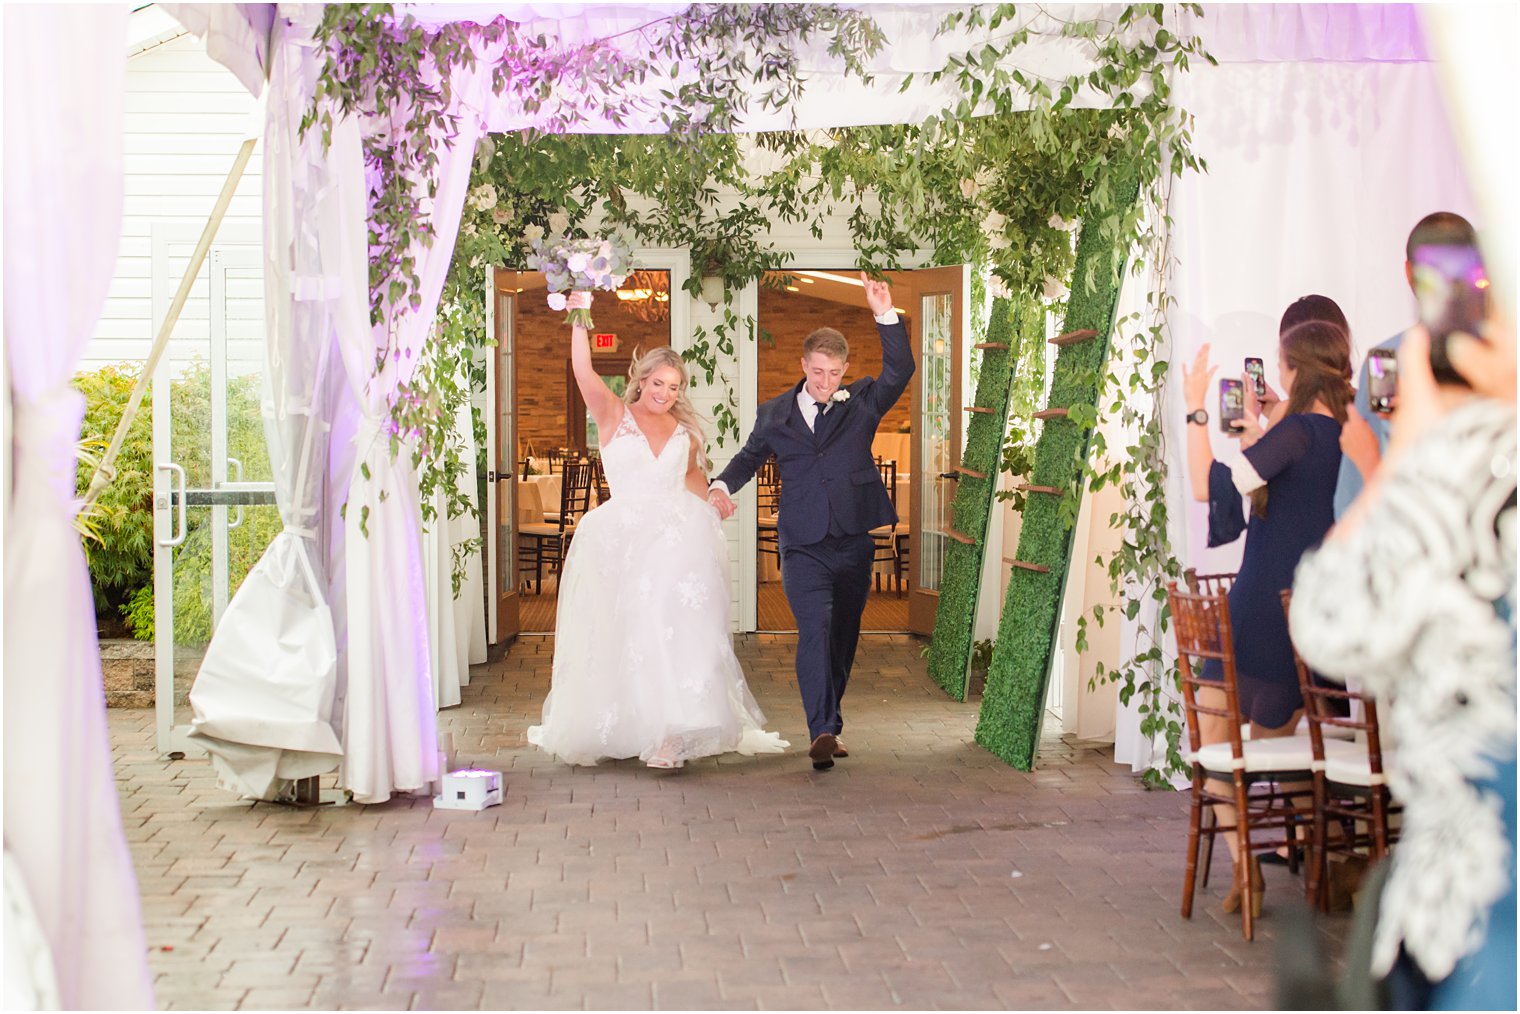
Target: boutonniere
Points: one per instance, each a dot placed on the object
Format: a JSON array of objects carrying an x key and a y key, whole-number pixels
[{"x": 840, "y": 396}]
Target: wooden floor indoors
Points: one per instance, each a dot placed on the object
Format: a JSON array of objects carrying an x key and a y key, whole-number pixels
[{"x": 886, "y": 612}]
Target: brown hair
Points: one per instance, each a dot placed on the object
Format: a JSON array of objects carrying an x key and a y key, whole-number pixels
[
  {"x": 828, "y": 341},
  {"x": 1319, "y": 353},
  {"x": 1313, "y": 307},
  {"x": 1440, "y": 228}
]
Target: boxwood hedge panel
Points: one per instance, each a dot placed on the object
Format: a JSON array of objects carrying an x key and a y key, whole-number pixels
[
  {"x": 1014, "y": 702},
  {"x": 955, "y": 617}
]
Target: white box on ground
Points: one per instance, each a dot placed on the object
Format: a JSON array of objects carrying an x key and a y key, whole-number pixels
[{"x": 469, "y": 789}]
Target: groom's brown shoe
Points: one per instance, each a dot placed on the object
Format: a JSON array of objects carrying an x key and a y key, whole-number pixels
[
  {"x": 823, "y": 752},
  {"x": 839, "y": 750}
]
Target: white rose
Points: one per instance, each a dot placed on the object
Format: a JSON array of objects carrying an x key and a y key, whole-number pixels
[
  {"x": 557, "y": 301},
  {"x": 1055, "y": 288},
  {"x": 994, "y": 222},
  {"x": 1064, "y": 224},
  {"x": 840, "y": 396},
  {"x": 969, "y": 187},
  {"x": 559, "y": 222},
  {"x": 577, "y": 262},
  {"x": 533, "y": 233},
  {"x": 997, "y": 241},
  {"x": 998, "y": 289},
  {"x": 484, "y": 197},
  {"x": 468, "y": 229},
  {"x": 502, "y": 216}
]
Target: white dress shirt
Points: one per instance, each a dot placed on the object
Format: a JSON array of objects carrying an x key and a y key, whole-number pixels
[{"x": 805, "y": 401}]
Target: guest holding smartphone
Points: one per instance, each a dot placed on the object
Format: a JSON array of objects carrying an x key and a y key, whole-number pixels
[
  {"x": 1413, "y": 594},
  {"x": 1289, "y": 473}
]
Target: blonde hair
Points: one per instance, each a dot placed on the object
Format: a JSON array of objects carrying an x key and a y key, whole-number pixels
[{"x": 685, "y": 414}]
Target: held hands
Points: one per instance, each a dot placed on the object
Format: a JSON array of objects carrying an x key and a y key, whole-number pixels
[
  {"x": 721, "y": 502},
  {"x": 878, "y": 295}
]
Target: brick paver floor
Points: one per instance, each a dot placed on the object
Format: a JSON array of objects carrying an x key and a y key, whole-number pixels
[{"x": 920, "y": 873}]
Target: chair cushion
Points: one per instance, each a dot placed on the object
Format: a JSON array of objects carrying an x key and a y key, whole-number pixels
[
  {"x": 1354, "y": 768},
  {"x": 1285, "y": 753},
  {"x": 538, "y": 528}
]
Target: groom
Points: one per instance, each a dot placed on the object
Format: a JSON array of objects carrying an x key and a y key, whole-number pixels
[{"x": 831, "y": 497}]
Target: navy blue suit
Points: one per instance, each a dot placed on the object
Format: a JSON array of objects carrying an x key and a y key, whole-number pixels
[{"x": 831, "y": 497}]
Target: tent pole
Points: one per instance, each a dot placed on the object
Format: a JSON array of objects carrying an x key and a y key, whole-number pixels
[{"x": 105, "y": 471}]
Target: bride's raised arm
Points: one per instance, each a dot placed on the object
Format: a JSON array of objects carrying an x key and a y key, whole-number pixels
[{"x": 605, "y": 407}]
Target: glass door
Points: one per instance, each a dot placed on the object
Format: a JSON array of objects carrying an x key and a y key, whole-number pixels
[
  {"x": 503, "y": 619},
  {"x": 214, "y": 510},
  {"x": 936, "y": 323}
]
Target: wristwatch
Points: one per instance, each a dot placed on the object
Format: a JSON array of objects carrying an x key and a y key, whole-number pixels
[{"x": 1199, "y": 417}]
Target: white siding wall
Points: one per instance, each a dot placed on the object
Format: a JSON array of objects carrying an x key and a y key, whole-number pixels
[{"x": 185, "y": 119}]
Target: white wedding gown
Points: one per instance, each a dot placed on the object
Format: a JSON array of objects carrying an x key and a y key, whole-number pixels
[{"x": 643, "y": 658}]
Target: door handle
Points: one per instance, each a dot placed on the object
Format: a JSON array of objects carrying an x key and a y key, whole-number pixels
[
  {"x": 950, "y": 475},
  {"x": 170, "y": 466},
  {"x": 239, "y": 465},
  {"x": 498, "y": 476}
]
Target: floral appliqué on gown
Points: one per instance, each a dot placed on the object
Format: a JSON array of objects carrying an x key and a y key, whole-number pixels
[{"x": 643, "y": 655}]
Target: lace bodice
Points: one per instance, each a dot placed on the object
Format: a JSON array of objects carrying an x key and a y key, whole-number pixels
[{"x": 634, "y": 470}]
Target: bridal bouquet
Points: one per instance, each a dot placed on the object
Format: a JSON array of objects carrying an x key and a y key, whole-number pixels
[{"x": 576, "y": 265}]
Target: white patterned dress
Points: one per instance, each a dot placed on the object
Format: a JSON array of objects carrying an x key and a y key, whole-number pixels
[
  {"x": 643, "y": 657},
  {"x": 1409, "y": 604}
]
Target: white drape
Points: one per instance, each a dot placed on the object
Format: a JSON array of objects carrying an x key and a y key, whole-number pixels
[
  {"x": 64, "y": 74},
  {"x": 1317, "y": 171},
  {"x": 265, "y": 693},
  {"x": 456, "y": 623},
  {"x": 390, "y": 733}
]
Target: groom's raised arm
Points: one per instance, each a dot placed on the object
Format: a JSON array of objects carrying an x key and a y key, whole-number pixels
[
  {"x": 896, "y": 350},
  {"x": 896, "y": 363}
]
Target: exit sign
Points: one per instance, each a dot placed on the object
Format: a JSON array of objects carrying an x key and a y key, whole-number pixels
[{"x": 604, "y": 342}]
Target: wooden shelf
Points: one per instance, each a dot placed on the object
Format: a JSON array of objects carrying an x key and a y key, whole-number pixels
[
  {"x": 1074, "y": 337},
  {"x": 1052, "y": 490},
  {"x": 1000, "y": 346},
  {"x": 966, "y": 471},
  {"x": 1051, "y": 413},
  {"x": 960, "y": 537},
  {"x": 979, "y": 410},
  {"x": 1036, "y": 567}
]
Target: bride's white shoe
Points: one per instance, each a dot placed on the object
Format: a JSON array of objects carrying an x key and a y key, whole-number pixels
[{"x": 666, "y": 758}]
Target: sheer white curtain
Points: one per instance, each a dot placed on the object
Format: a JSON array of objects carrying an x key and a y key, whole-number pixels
[
  {"x": 1326, "y": 139},
  {"x": 64, "y": 75},
  {"x": 265, "y": 694},
  {"x": 390, "y": 733},
  {"x": 456, "y": 623}
]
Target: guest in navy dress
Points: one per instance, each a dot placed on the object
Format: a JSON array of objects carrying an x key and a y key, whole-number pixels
[{"x": 1289, "y": 472}]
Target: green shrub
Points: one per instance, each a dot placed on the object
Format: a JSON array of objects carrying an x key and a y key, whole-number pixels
[
  {"x": 121, "y": 564},
  {"x": 122, "y": 560}
]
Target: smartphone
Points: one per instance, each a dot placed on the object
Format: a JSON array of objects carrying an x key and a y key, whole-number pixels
[
  {"x": 1451, "y": 287},
  {"x": 1382, "y": 379},
  {"x": 1257, "y": 371},
  {"x": 1232, "y": 404}
]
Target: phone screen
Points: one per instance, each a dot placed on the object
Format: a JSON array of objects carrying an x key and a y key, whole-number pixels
[
  {"x": 1232, "y": 404},
  {"x": 1257, "y": 371},
  {"x": 1382, "y": 379},
  {"x": 1451, "y": 286}
]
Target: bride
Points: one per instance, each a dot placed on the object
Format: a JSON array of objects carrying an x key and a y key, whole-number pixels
[{"x": 643, "y": 659}]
